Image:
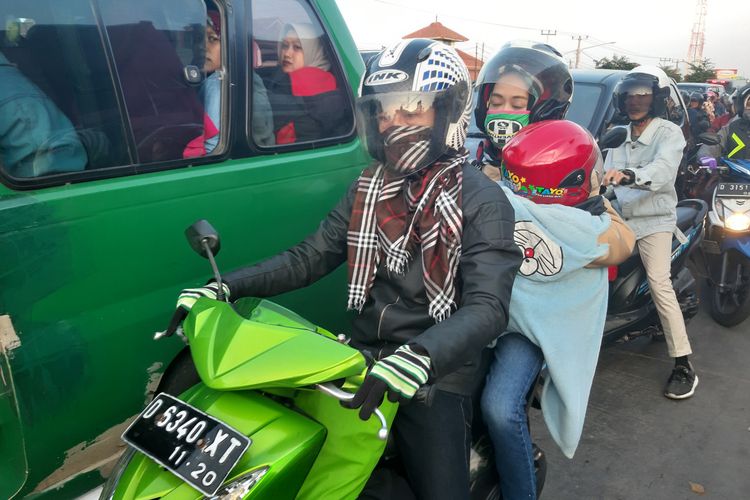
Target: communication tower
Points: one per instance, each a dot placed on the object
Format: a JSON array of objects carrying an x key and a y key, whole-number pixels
[{"x": 695, "y": 52}]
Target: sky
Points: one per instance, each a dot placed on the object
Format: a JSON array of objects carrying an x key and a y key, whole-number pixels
[{"x": 644, "y": 31}]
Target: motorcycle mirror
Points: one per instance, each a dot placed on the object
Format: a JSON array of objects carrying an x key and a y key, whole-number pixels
[
  {"x": 201, "y": 235},
  {"x": 613, "y": 138},
  {"x": 204, "y": 240},
  {"x": 709, "y": 138}
]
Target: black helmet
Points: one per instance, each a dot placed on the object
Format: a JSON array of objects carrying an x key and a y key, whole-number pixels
[
  {"x": 740, "y": 98},
  {"x": 698, "y": 97},
  {"x": 643, "y": 80},
  {"x": 415, "y": 76},
  {"x": 545, "y": 76}
]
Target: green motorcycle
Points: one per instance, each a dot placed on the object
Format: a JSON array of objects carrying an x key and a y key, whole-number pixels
[{"x": 265, "y": 420}]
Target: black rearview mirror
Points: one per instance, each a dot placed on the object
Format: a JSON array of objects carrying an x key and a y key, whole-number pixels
[
  {"x": 613, "y": 138},
  {"x": 201, "y": 234}
]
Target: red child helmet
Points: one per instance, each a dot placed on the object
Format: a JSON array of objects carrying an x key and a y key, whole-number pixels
[{"x": 552, "y": 162}]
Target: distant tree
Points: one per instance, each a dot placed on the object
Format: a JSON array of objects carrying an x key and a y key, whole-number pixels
[
  {"x": 701, "y": 71},
  {"x": 616, "y": 62},
  {"x": 672, "y": 72}
]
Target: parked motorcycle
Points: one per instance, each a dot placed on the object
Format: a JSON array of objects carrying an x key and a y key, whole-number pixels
[
  {"x": 265, "y": 420},
  {"x": 727, "y": 242}
]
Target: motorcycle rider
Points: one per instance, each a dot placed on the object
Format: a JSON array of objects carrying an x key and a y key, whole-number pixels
[
  {"x": 698, "y": 117},
  {"x": 429, "y": 245},
  {"x": 734, "y": 137},
  {"x": 644, "y": 169},
  {"x": 524, "y": 82}
]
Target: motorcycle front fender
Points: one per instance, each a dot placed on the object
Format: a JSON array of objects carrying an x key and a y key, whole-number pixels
[
  {"x": 283, "y": 440},
  {"x": 739, "y": 243}
]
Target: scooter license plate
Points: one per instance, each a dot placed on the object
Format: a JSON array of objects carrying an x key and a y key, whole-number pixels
[
  {"x": 733, "y": 190},
  {"x": 194, "y": 446}
]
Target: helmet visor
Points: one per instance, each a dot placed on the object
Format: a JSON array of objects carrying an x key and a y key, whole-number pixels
[
  {"x": 397, "y": 129},
  {"x": 382, "y": 111},
  {"x": 636, "y": 87}
]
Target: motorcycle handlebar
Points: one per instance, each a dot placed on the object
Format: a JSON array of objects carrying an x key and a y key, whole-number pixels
[{"x": 333, "y": 391}]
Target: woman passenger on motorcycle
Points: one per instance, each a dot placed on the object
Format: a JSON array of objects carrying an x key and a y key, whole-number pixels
[
  {"x": 644, "y": 169},
  {"x": 569, "y": 236},
  {"x": 552, "y": 161},
  {"x": 523, "y": 83},
  {"x": 429, "y": 245}
]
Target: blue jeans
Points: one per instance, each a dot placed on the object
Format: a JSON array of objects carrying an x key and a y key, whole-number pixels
[{"x": 513, "y": 371}]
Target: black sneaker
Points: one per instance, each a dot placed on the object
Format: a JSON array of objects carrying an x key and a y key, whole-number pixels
[{"x": 682, "y": 383}]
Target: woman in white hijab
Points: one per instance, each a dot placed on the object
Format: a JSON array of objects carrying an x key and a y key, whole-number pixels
[
  {"x": 301, "y": 46},
  {"x": 305, "y": 97}
]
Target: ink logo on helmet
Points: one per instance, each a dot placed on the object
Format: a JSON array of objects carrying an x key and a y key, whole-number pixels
[{"x": 385, "y": 77}]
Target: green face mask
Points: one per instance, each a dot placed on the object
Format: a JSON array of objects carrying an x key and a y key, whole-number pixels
[{"x": 501, "y": 125}]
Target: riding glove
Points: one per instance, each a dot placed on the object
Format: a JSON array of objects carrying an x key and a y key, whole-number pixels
[
  {"x": 188, "y": 296},
  {"x": 400, "y": 375},
  {"x": 186, "y": 300}
]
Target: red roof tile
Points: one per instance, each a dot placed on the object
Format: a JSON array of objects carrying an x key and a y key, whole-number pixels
[
  {"x": 474, "y": 64},
  {"x": 436, "y": 31}
]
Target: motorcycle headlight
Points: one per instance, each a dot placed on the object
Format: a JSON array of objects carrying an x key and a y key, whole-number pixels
[
  {"x": 237, "y": 489},
  {"x": 737, "y": 222}
]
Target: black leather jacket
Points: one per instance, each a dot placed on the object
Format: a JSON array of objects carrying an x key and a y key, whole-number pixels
[{"x": 396, "y": 311}]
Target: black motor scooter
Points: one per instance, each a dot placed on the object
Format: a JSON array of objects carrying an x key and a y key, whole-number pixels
[{"x": 631, "y": 311}]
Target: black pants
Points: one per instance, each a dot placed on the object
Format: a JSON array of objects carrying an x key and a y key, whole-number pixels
[{"x": 433, "y": 443}]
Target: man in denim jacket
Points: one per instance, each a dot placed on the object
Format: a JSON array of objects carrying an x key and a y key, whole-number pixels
[{"x": 644, "y": 169}]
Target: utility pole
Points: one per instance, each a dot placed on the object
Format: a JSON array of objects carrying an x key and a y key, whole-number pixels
[
  {"x": 580, "y": 38},
  {"x": 665, "y": 61},
  {"x": 548, "y": 33}
]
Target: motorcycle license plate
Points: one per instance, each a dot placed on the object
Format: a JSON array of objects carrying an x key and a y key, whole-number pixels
[
  {"x": 196, "y": 447},
  {"x": 733, "y": 190}
]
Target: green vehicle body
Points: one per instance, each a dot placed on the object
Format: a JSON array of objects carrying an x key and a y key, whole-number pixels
[
  {"x": 315, "y": 449},
  {"x": 89, "y": 270}
]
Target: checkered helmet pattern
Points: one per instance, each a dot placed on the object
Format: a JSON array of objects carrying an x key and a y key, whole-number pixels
[{"x": 442, "y": 69}]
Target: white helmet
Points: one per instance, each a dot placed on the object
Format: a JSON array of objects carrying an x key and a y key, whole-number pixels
[{"x": 645, "y": 80}]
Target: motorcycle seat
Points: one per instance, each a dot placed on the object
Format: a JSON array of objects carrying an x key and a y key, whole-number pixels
[{"x": 690, "y": 213}]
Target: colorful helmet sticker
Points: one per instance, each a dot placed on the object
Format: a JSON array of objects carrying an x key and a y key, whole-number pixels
[{"x": 519, "y": 185}]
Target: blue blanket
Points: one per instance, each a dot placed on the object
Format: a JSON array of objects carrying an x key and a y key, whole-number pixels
[{"x": 561, "y": 306}]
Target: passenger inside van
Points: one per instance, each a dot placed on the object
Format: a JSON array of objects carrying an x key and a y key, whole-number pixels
[
  {"x": 306, "y": 100},
  {"x": 36, "y": 138},
  {"x": 262, "y": 115},
  {"x": 210, "y": 92}
]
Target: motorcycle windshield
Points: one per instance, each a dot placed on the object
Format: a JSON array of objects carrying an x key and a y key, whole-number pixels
[
  {"x": 256, "y": 343},
  {"x": 739, "y": 167}
]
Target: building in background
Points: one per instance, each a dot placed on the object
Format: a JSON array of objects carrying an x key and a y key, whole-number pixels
[{"x": 436, "y": 31}]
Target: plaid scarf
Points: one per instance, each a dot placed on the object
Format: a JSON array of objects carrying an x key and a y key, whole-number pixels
[{"x": 393, "y": 214}]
